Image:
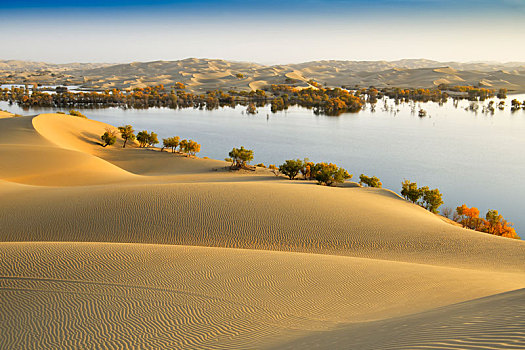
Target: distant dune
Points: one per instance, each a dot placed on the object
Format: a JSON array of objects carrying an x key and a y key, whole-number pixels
[
  {"x": 136, "y": 248},
  {"x": 200, "y": 75}
]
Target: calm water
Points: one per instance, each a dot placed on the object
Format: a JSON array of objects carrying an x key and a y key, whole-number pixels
[{"x": 471, "y": 157}]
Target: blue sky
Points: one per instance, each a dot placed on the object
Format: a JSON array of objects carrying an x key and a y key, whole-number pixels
[{"x": 268, "y": 31}]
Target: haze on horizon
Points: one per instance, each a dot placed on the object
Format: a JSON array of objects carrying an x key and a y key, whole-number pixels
[{"x": 266, "y": 32}]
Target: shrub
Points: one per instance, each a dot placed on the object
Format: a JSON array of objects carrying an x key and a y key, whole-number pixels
[
  {"x": 127, "y": 133},
  {"x": 274, "y": 169},
  {"x": 330, "y": 174},
  {"x": 260, "y": 165},
  {"x": 291, "y": 168},
  {"x": 370, "y": 181},
  {"x": 109, "y": 137},
  {"x": 241, "y": 157},
  {"x": 76, "y": 114}
]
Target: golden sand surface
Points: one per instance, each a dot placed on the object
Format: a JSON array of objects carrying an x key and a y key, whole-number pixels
[{"x": 133, "y": 248}]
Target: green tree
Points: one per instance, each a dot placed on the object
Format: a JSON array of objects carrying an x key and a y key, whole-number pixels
[
  {"x": 291, "y": 168},
  {"x": 183, "y": 146},
  {"x": 370, "y": 181},
  {"x": 193, "y": 147},
  {"x": 143, "y": 138},
  {"x": 171, "y": 142},
  {"x": 330, "y": 174},
  {"x": 432, "y": 199},
  {"x": 153, "y": 139},
  {"x": 410, "y": 191},
  {"x": 241, "y": 157},
  {"x": 127, "y": 133},
  {"x": 109, "y": 138}
]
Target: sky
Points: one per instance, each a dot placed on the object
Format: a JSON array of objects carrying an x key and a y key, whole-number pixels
[{"x": 263, "y": 31}]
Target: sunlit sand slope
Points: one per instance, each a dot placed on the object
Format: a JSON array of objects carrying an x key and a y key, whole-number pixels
[
  {"x": 494, "y": 322},
  {"x": 73, "y": 295}
]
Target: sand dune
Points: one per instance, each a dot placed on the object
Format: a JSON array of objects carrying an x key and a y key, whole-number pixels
[
  {"x": 135, "y": 248},
  {"x": 135, "y": 296},
  {"x": 201, "y": 75}
]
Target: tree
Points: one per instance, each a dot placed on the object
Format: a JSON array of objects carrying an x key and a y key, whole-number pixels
[
  {"x": 171, "y": 142},
  {"x": 109, "y": 137},
  {"x": 495, "y": 224},
  {"x": 240, "y": 157},
  {"x": 193, "y": 148},
  {"x": 183, "y": 146},
  {"x": 432, "y": 199},
  {"x": 153, "y": 139},
  {"x": 127, "y": 133},
  {"x": 370, "y": 181},
  {"x": 410, "y": 191},
  {"x": 469, "y": 217},
  {"x": 143, "y": 138},
  {"x": 330, "y": 174},
  {"x": 291, "y": 168}
]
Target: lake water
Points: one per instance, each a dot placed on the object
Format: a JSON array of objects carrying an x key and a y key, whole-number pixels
[{"x": 473, "y": 158}]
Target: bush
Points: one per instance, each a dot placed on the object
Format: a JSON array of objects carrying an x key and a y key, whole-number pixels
[
  {"x": 76, "y": 114},
  {"x": 109, "y": 138},
  {"x": 370, "y": 181},
  {"x": 330, "y": 174},
  {"x": 291, "y": 168},
  {"x": 260, "y": 165},
  {"x": 240, "y": 157}
]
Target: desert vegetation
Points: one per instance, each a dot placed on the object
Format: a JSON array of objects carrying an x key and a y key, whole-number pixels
[
  {"x": 493, "y": 223},
  {"x": 109, "y": 137},
  {"x": 423, "y": 196},
  {"x": 240, "y": 158},
  {"x": 370, "y": 181}
]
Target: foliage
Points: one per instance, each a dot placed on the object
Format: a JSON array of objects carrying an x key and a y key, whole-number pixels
[
  {"x": 127, "y": 133},
  {"x": 370, "y": 181},
  {"x": 291, "y": 168},
  {"x": 240, "y": 157},
  {"x": 109, "y": 137},
  {"x": 410, "y": 191},
  {"x": 330, "y": 174},
  {"x": 274, "y": 169},
  {"x": 432, "y": 199},
  {"x": 189, "y": 147},
  {"x": 76, "y": 114},
  {"x": 171, "y": 142},
  {"x": 493, "y": 223},
  {"x": 260, "y": 165}
]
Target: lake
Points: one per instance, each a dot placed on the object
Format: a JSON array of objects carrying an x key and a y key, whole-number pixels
[{"x": 473, "y": 158}]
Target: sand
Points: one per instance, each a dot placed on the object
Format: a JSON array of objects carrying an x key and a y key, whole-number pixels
[
  {"x": 137, "y": 248},
  {"x": 201, "y": 75}
]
